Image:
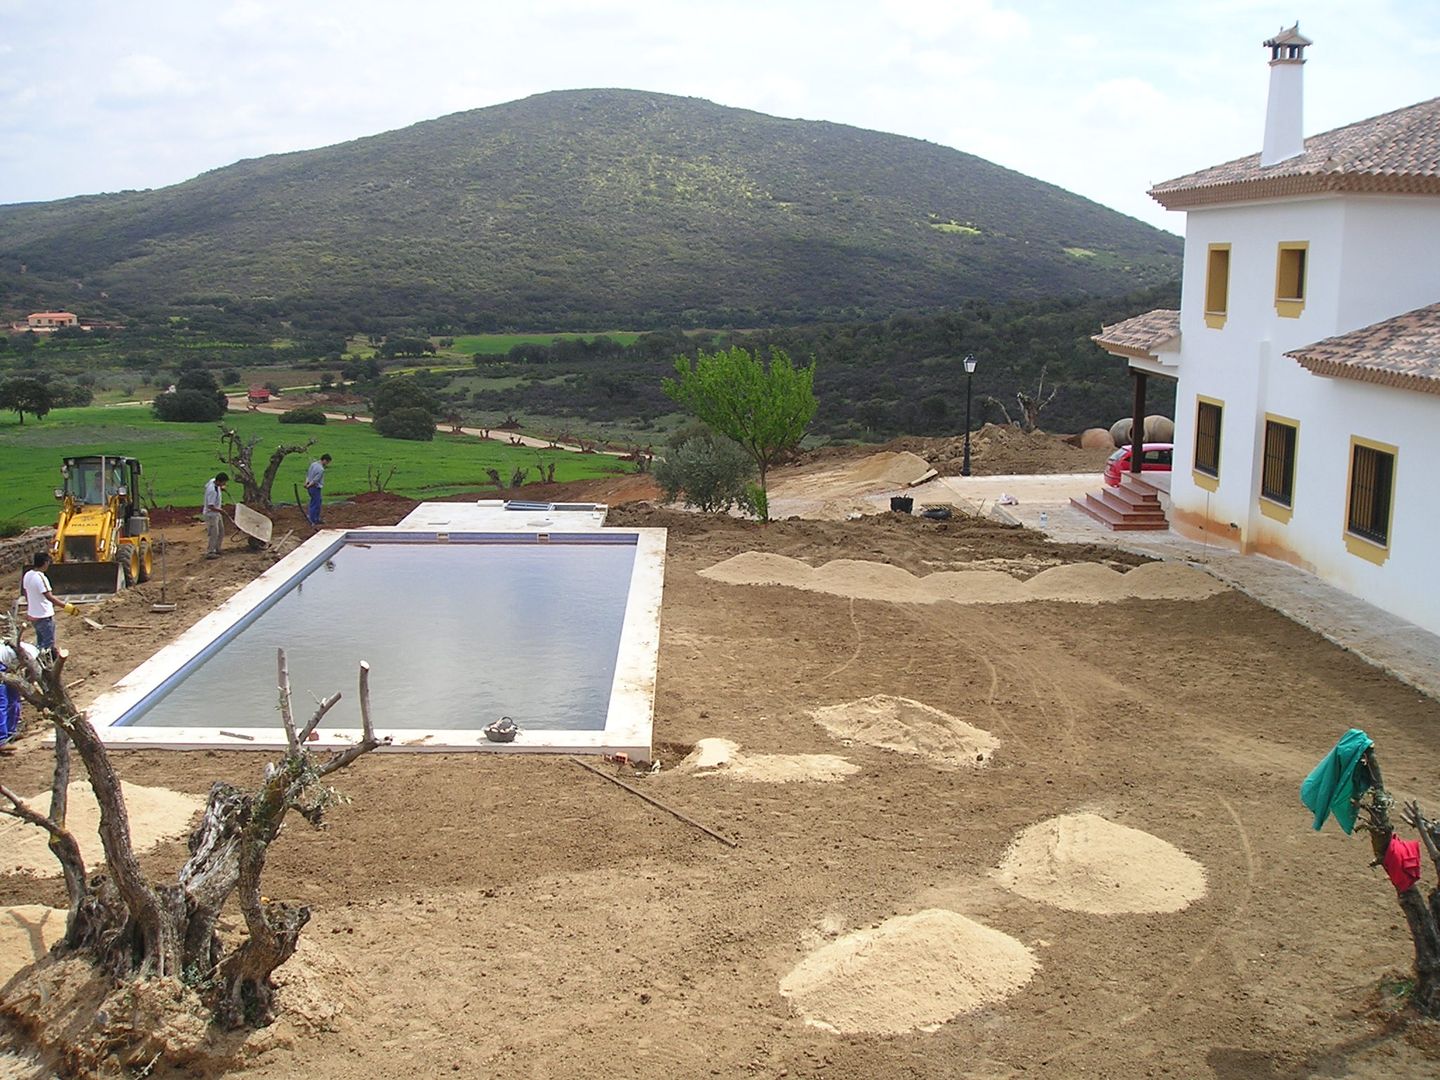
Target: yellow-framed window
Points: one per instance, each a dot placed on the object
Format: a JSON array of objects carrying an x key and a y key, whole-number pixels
[
  {"x": 1372, "y": 491},
  {"x": 1207, "y": 436},
  {"x": 1277, "y": 473},
  {"x": 1291, "y": 270},
  {"x": 1217, "y": 285}
]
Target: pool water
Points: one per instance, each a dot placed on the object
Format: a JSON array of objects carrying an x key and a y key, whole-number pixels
[{"x": 457, "y": 635}]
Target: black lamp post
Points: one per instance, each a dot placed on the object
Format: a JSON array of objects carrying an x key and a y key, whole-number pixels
[{"x": 969, "y": 378}]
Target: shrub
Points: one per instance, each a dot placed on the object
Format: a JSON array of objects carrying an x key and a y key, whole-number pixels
[
  {"x": 417, "y": 425},
  {"x": 711, "y": 471},
  {"x": 189, "y": 405},
  {"x": 402, "y": 393},
  {"x": 305, "y": 414}
]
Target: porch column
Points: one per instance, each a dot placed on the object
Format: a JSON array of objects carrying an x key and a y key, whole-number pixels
[{"x": 1137, "y": 425}]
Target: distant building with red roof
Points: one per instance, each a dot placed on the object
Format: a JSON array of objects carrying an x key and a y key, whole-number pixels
[{"x": 51, "y": 320}]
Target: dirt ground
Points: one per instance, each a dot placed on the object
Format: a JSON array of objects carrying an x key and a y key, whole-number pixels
[
  {"x": 520, "y": 917},
  {"x": 995, "y": 450}
]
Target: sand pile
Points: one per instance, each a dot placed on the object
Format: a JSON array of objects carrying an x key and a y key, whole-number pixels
[
  {"x": 864, "y": 580},
  {"x": 722, "y": 757},
  {"x": 761, "y": 568},
  {"x": 834, "y": 491},
  {"x": 156, "y": 814},
  {"x": 1167, "y": 580},
  {"x": 1082, "y": 862},
  {"x": 891, "y": 469},
  {"x": 26, "y": 933},
  {"x": 911, "y": 972},
  {"x": 909, "y": 727},
  {"x": 1075, "y": 583}
]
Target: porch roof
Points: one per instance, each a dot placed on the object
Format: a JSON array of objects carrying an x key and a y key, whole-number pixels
[
  {"x": 1141, "y": 337},
  {"x": 1403, "y": 352}
]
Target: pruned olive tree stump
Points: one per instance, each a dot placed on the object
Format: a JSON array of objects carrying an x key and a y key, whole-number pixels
[
  {"x": 238, "y": 452},
  {"x": 132, "y": 927},
  {"x": 1422, "y": 913}
]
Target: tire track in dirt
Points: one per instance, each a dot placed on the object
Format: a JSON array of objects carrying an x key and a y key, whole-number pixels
[{"x": 859, "y": 642}]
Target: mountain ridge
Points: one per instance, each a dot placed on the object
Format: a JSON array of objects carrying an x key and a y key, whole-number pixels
[{"x": 604, "y": 207}]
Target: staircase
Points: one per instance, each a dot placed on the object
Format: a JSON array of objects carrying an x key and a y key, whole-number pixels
[{"x": 1132, "y": 507}]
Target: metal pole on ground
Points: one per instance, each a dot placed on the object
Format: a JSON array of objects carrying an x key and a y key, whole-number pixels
[{"x": 969, "y": 379}]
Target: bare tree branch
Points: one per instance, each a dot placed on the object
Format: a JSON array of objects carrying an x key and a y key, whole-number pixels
[
  {"x": 325, "y": 705},
  {"x": 283, "y": 685},
  {"x": 368, "y": 741}
]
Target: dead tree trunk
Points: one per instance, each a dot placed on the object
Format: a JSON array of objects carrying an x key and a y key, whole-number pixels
[
  {"x": 131, "y": 927},
  {"x": 1031, "y": 406}
]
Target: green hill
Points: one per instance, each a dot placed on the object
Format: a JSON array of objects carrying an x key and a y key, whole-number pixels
[{"x": 586, "y": 208}]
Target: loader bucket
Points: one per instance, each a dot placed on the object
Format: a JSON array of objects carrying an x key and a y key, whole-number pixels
[{"x": 74, "y": 580}]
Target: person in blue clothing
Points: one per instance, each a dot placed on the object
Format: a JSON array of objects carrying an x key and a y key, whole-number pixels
[
  {"x": 314, "y": 484},
  {"x": 10, "y": 697}
]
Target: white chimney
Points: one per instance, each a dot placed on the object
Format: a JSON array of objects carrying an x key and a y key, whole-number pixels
[{"x": 1285, "y": 111}]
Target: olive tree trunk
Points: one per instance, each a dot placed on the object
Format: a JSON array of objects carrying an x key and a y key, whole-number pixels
[
  {"x": 132, "y": 927},
  {"x": 1422, "y": 913}
]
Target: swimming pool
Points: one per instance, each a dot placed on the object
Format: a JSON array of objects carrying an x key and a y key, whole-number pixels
[{"x": 558, "y": 630}]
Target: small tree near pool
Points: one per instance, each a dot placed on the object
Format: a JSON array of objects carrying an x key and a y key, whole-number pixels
[{"x": 764, "y": 405}]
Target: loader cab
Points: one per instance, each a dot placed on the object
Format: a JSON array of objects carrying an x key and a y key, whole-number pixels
[{"x": 95, "y": 481}]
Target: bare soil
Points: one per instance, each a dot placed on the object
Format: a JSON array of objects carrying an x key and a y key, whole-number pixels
[
  {"x": 995, "y": 450},
  {"x": 519, "y": 916}
]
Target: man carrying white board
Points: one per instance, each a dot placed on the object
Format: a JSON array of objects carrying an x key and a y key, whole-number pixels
[{"x": 214, "y": 520}]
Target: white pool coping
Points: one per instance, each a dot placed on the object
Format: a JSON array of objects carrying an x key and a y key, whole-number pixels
[
  {"x": 505, "y": 515},
  {"x": 629, "y": 718}
]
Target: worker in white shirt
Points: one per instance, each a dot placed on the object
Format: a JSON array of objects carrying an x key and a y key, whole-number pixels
[
  {"x": 40, "y": 602},
  {"x": 214, "y": 520}
]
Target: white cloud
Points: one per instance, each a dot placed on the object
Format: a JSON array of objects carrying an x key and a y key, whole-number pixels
[
  {"x": 979, "y": 19},
  {"x": 1104, "y": 98},
  {"x": 144, "y": 77}
]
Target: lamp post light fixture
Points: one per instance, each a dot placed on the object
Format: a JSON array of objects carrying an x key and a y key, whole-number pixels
[{"x": 969, "y": 378}]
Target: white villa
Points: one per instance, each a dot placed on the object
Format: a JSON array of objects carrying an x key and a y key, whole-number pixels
[{"x": 1307, "y": 349}]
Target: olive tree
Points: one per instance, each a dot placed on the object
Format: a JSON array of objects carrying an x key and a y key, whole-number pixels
[
  {"x": 134, "y": 928},
  {"x": 764, "y": 405},
  {"x": 709, "y": 470},
  {"x": 1421, "y": 910},
  {"x": 238, "y": 451}
]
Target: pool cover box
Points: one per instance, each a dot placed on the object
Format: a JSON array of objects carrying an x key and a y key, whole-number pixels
[{"x": 558, "y": 630}]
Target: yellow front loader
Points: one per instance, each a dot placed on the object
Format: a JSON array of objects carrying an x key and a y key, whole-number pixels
[{"x": 102, "y": 539}]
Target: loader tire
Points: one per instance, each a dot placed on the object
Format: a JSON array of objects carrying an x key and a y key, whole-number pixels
[{"x": 147, "y": 561}]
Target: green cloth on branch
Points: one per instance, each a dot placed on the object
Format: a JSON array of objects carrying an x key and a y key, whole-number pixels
[{"x": 1339, "y": 780}]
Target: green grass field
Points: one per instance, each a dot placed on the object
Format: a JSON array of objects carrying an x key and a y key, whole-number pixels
[
  {"x": 499, "y": 344},
  {"x": 179, "y": 458}
]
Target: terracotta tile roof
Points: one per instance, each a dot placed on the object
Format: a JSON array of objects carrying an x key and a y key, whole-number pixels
[
  {"x": 1140, "y": 336},
  {"x": 1396, "y": 152},
  {"x": 1289, "y": 37},
  {"x": 1403, "y": 352}
]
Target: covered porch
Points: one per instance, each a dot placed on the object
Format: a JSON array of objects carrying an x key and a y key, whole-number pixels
[{"x": 1150, "y": 344}]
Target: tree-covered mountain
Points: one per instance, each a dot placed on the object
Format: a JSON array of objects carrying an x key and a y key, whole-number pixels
[{"x": 587, "y": 208}]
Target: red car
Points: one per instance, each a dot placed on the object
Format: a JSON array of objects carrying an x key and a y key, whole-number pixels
[{"x": 1155, "y": 457}]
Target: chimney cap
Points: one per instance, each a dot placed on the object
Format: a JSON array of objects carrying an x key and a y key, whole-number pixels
[{"x": 1288, "y": 37}]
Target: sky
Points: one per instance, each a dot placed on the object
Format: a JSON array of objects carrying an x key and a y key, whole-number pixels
[{"x": 1104, "y": 97}]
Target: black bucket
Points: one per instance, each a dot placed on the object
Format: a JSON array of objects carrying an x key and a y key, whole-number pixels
[{"x": 902, "y": 504}]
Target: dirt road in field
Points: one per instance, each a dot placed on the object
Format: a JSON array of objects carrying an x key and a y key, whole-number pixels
[{"x": 513, "y": 917}]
